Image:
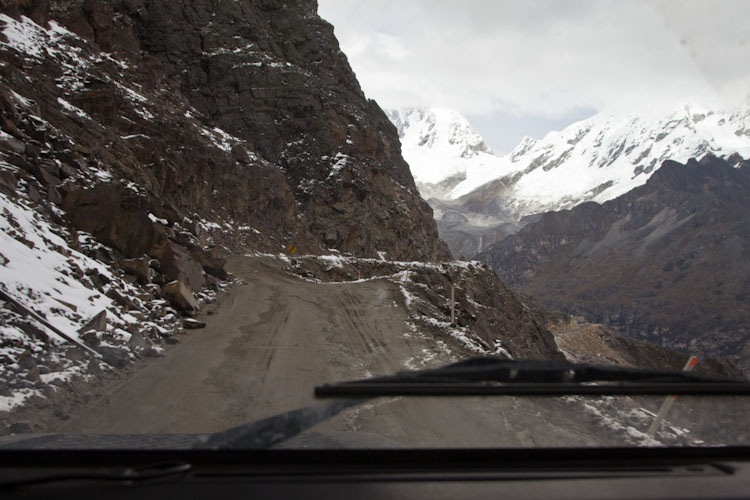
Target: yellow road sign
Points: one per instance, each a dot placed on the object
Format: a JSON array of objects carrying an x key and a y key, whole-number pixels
[{"x": 291, "y": 249}]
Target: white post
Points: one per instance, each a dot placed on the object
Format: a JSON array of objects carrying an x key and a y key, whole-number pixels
[
  {"x": 453, "y": 305},
  {"x": 669, "y": 401}
]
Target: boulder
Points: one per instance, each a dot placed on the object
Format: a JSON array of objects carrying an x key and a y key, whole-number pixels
[
  {"x": 10, "y": 143},
  {"x": 115, "y": 215},
  {"x": 176, "y": 263},
  {"x": 33, "y": 374},
  {"x": 154, "y": 352},
  {"x": 25, "y": 360},
  {"x": 193, "y": 324},
  {"x": 180, "y": 296},
  {"x": 212, "y": 260},
  {"x": 97, "y": 323},
  {"x": 139, "y": 268},
  {"x": 8, "y": 182},
  {"x": 114, "y": 356},
  {"x": 122, "y": 300},
  {"x": 90, "y": 338},
  {"x": 139, "y": 341}
]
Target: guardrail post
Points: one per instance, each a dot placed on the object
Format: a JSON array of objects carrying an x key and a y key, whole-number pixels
[{"x": 453, "y": 305}]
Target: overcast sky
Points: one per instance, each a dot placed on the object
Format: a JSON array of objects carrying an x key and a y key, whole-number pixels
[{"x": 517, "y": 68}]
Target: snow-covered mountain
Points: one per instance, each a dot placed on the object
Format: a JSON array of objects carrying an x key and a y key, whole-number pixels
[
  {"x": 441, "y": 147},
  {"x": 596, "y": 159},
  {"x": 606, "y": 156},
  {"x": 479, "y": 197}
]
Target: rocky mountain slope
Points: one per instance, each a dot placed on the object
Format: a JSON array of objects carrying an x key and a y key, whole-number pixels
[
  {"x": 142, "y": 141},
  {"x": 481, "y": 199},
  {"x": 666, "y": 262}
]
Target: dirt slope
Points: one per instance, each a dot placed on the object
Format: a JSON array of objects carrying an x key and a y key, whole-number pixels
[{"x": 269, "y": 342}]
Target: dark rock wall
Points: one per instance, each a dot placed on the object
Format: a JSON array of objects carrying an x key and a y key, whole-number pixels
[
  {"x": 238, "y": 113},
  {"x": 272, "y": 73}
]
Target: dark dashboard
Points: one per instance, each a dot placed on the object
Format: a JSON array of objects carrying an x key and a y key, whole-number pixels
[{"x": 610, "y": 473}]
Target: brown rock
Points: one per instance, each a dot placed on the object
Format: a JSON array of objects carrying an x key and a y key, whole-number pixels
[
  {"x": 120, "y": 298},
  {"x": 53, "y": 195},
  {"x": 180, "y": 296},
  {"x": 114, "y": 356},
  {"x": 212, "y": 261},
  {"x": 90, "y": 338},
  {"x": 139, "y": 341},
  {"x": 115, "y": 216},
  {"x": 25, "y": 360},
  {"x": 97, "y": 323},
  {"x": 140, "y": 268},
  {"x": 176, "y": 263},
  {"x": 45, "y": 176},
  {"x": 193, "y": 324},
  {"x": 10, "y": 143},
  {"x": 33, "y": 374},
  {"x": 8, "y": 182}
]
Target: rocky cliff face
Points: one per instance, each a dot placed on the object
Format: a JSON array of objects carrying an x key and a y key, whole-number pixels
[
  {"x": 667, "y": 262},
  {"x": 272, "y": 73},
  {"x": 143, "y": 141},
  {"x": 246, "y": 113}
]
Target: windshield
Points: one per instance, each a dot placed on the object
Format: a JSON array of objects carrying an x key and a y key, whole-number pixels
[{"x": 202, "y": 225}]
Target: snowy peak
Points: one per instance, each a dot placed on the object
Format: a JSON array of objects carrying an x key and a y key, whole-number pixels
[
  {"x": 439, "y": 129},
  {"x": 442, "y": 149},
  {"x": 597, "y": 159},
  {"x": 606, "y": 156}
]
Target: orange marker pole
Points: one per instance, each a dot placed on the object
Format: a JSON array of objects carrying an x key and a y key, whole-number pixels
[{"x": 669, "y": 401}]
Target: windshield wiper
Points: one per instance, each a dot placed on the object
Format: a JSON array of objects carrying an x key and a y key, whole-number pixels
[
  {"x": 473, "y": 377},
  {"x": 263, "y": 434},
  {"x": 501, "y": 377}
]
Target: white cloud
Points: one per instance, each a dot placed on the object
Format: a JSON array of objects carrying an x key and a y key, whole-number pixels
[{"x": 545, "y": 58}]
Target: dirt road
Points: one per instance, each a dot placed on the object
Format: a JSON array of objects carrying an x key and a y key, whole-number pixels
[{"x": 270, "y": 340}]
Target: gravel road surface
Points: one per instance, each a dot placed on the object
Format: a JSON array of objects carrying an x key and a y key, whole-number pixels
[{"x": 271, "y": 339}]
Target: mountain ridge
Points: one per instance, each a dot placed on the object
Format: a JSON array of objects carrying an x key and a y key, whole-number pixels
[
  {"x": 666, "y": 262},
  {"x": 597, "y": 159}
]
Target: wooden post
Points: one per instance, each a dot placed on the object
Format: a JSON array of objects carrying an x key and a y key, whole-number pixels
[
  {"x": 453, "y": 305},
  {"x": 669, "y": 401}
]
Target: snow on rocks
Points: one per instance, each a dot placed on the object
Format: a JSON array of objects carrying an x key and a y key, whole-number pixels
[
  {"x": 69, "y": 314},
  {"x": 489, "y": 319}
]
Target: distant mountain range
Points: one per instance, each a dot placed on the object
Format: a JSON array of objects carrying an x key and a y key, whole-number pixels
[
  {"x": 662, "y": 255},
  {"x": 668, "y": 262},
  {"x": 479, "y": 197}
]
